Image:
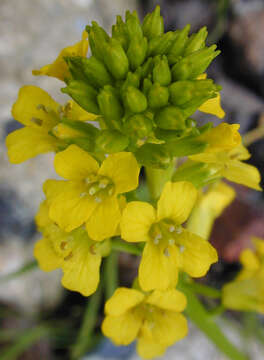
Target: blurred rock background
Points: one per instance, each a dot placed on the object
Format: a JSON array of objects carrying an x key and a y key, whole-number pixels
[{"x": 32, "y": 32}]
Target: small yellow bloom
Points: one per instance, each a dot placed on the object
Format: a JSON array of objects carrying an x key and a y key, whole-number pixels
[
  {"x": 75, "y": 253},
  {"x": 246, "y": 292},
  {"x": 212, "y": 106},
  {"x": 210, "y": 206},
  {"x": 168, "y": 247},
  {"x": 153, "y": 319},
  {"x": 59, "y": 68},
  {"x": 91, "y": 193},
  {"x": 230, "y": 166}
]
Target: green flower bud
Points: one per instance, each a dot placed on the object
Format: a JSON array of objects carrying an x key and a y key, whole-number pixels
[
  {"x": 170, "y": 118},
  {"x": 98, "y": 38},
  {"x": 194, "y": 64},
  {"x": 133, "y": 25},
  {"x": 196, "y": 41},
  {"x": 167, "y": 135},
  {"x": 153, "y": 155},
  {"x": 83, "y": 94},
  {"x": 138, "y": 125},
  {"x": 111, "y": 141},
  {"x": 110, "y": 107},
  {"x": 137, "y": 51},
  {"x": 161, "y": 71},
  {"x": 179, "y": 44},
  {"x": 185, "y": 146},
  {"x": 147, "y": 84},
  {"x": 120, "y": 32},
  {"x": 88, "y": 130},
  {"x": 192, "y": 93},
  {"x": 90, "y": 70},
  {"x": 135, "y": 100},
  {"x": 146, "y": 68},
  {"x": 132, "y": 79},
  {"x": 115, "y": 59},
  {"x": 153, "y": 24},
  {"x": 158, "y": 96},
  {"x": 160, "y": 45}
]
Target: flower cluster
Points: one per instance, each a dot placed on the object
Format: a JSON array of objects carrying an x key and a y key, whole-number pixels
[{"x": 131, "y": 105}]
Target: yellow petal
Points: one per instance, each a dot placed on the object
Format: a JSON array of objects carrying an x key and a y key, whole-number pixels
[
  {"x": 239, "y": 153},
  {"x": 222, "y": 137},
  {"x": 75, "y": 163},
  {"x": 122, "y": 168},
  {"x": 104, "y": 220},
  {"x": 53, "y": 188},
  {"x": 196, "y": 254},
  {"x": 176, "y": 201},
  {"x": 171, "y": 299},
  {"x": 46, "y": 256},
  {"x": 26, "y": 143},
  {"x": 59, "y": 68},
  {"x": 249, "y": 260},
  {"x": 242, "y": 173},
  {"x": 42, "y": 217},
  {"x": 81, "y": 270},
  {"x": 123, "y": 329},
  {"x": 70, "y": 210},
  {"x": 157, "y": 270},
  {"x": 29, "y": 105},
  {"x": 149, "y": 349},
  {"x": 259, "y": 245},
  {"x": 136, "y": 221},
  {"x": 213, "y": 107},
  {"x": 123, "y": 300},
  {"x": 73, "y": 111}
]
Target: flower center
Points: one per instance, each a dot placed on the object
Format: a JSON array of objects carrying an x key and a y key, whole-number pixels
[{"x": 98, "y": 187}]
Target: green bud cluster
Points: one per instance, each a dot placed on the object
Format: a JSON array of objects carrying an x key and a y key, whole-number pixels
[{"x": 143, "y": 83}]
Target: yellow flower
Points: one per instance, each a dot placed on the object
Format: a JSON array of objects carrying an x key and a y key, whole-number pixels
[
  {"x": 59, "y": 68},
  {"x": 229, "y": 166},
  {"x": 212, "y": 106},
  {"x": 210, "y": 206},
  {"x": 154, "y": 319},
  {"x": 42, "y": 132},
  {"x": 168, "y": 247},
  {"x": 75, "y": 253},
  {"x": 246, "y": 292},
  {"x": 91, "y": 193}
]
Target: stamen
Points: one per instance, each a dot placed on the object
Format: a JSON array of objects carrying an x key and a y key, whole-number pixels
[
  {"x": 36, "y": 121},
  {"x": 83, "y": 194},
  {"x": 69, "y": 256},
  {"x": 171, "y": 241},
  {"x": 166, "y": 252},
  {"x": 181, "y": 248},
  {"x": 63, "y": 245},
  {"x": 178, "y": 230},
  {"x": 92, "y": 191},
  {"x": 87, "y": 180},
  {"x": 93, "y": 249},
  {"x": 171, "y": 228},
  {"x": 110, "y": 191},
  {"x": 151, "y": 325},
  {"x": 102, "y": 185},
  {"x": 157, "y": 239},
  {"x": 98, "y": 199}
]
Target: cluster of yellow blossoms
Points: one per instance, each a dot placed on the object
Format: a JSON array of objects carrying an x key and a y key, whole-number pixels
[{"x": 85, "y": 212}]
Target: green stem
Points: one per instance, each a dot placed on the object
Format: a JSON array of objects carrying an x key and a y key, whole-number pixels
[
  {"x": 200, "y": 317},
  {"x": 24, "y": 269},
  {"x": 111, "y": 274},
  {"x": 89, "y": 321},
  {"x": 23, "y": 342},
  {"x": 253, "y": 135},
  {"x": 120, "y": 245},
  {"x": 156, "y": 179},
  {"x": 205, "y": 290}
]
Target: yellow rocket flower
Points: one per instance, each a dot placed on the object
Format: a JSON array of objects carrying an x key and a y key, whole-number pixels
[
  {"x": 168, "y": 247},
  {"x": 210, "y": 206},
  {"x": 75, "y": 253},
  {"x": 212, "y": 106},
  {"x": 154, "y": 319},
  {"x": 59, "y": 68},
  {"x": 229, "y": 166},
  {"x": 91, "y": 194},
  {"x": 246, "y": 292},
  {"x": 42, "y": 132}
]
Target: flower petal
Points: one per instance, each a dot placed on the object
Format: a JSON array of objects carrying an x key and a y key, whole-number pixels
[
  {"x": 105, "y": 219},
  {"x": 176, "y": 201},
  {"x": 157, "y": 270},
  {"x": 242, "y": 173},
  {"x": 47, "y": 258},
  {"x": 123, "y": 329},
  {"x": 69, "y": 210},
  {"x": 122, "y": 168},
  {"x": 148, "y": 349},
  {"x": 53, "y": 188},
  {"x": 75, "y": 163},
  {"x": 123, "y": 300},
  {"x": 27, "y": 107},
  {"x": 213, "y": 107},
  {"x": 197, "y": 254},
  {"x": 171, "y": 299},
  {"x": 81, "y": 270},
  {"x": 136, "y": 221},
  {"x": 74, "y": 112},
  {"x": 26, "y": 143}
]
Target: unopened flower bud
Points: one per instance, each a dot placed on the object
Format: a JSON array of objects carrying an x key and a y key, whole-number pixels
[
  {"x": 111, "y": 141},
  {"x": 161, "y": 71},
  {"x": 170, "y": 118},
  {"x": 153, "y": 24},
  {"x": 196, "y": 41},
  {"x": 135, "y": 100},
  {"x": 137, "y": 51},
  {"x": 110, "y": 107},
  {"x": 158, "y": 96},
  {"x": 115, "y": 59},
  {"x": 139, "y": 125}
]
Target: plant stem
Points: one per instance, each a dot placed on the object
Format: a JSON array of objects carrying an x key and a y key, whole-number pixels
[
  {"x": 89, "y": 321},
  {"x": 31, "y": 265},
  {"x": 254, "y": 135},
  {"x": 120, "y": 245},
  {"x": 156, "y": 179},
  {"x": 205, "y": 290},
  {"x": 111, "y": 274}
]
